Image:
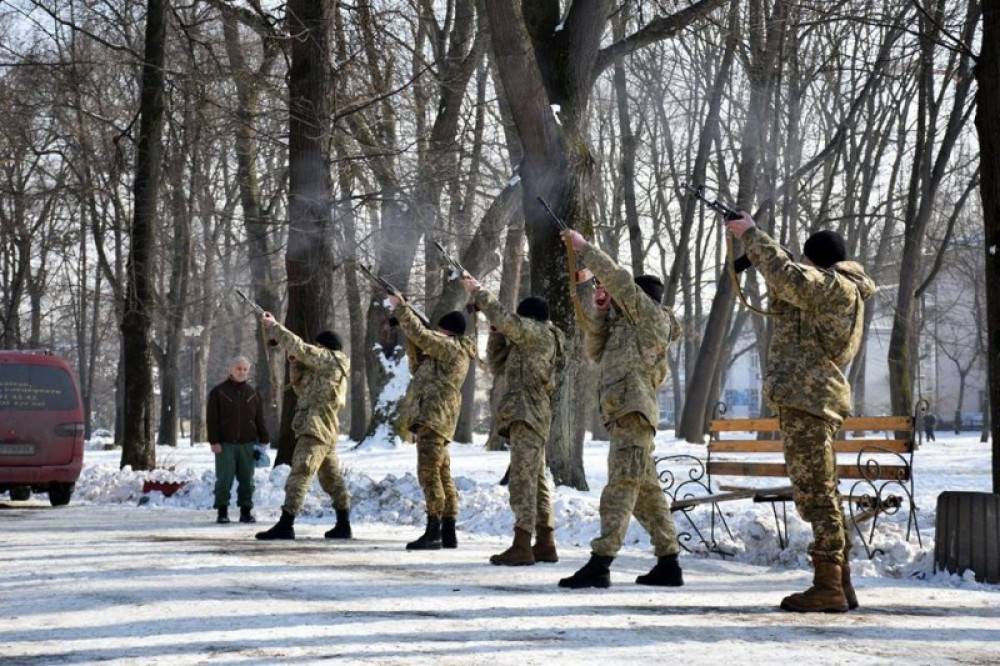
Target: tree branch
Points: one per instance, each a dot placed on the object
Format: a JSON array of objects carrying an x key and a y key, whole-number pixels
[{"x": 656, "y": 30}]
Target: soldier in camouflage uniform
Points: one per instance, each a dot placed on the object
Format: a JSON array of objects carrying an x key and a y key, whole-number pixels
[
  {"x": 429, "y": 412},
  {"x": 628, "y": 336},
  {"x": 532, "y": 346},
  {"x": 819, "y": 311},
  {"x": 318, "y": 374}
]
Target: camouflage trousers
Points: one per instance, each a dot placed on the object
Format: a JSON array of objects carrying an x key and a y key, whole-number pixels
[
  {"x": 530, "y": 499},
  {"x": 633, "y": 489},
  {"x": 314, "y": 457},
  {"x": 434, "y": 474},
  {"x": 812, "y": 469}
]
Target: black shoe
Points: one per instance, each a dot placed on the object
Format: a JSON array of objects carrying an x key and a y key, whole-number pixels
[
  {"x": 342, "y": 530},
  {"x": 283, "y": 529},
  {"x": 595, "y": 573},
  {"x": 223, "y": 516},
  {"x": 430, "y": 539},
  {"x": 246, "y": 515},
  {"x": 448, "y": 537},
  {"x": 666, "y": 573}
]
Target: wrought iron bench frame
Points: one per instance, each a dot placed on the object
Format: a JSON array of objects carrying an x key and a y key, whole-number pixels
[{"x": 873, "y": 494}]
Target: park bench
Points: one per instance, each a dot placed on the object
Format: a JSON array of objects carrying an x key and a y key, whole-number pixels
[{"x": 878, "y": 472}]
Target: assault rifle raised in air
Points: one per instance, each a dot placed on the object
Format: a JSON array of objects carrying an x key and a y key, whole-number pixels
[
  {"x": 259, "y": 311},
  {"x": 390, "y": 289},
  {"x": 458, "y": 270},
  {"x": 741, "y": 263}
]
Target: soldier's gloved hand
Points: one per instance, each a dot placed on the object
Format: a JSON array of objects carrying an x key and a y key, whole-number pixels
[
  {"x": 393, "y": 301},
  {"x": 471, "y": 284},
  {"x": 740, "y": 225},
  {"x": 268, "y": 320}
]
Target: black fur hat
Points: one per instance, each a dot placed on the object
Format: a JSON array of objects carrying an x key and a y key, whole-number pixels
[
  {"x": 825, "y": 248},
  {"x": 652, "y": 285},
  {"x": 330, "y": 340},
  {"x": 534, "y": 307},
  {"x": 453, "y": 322}
]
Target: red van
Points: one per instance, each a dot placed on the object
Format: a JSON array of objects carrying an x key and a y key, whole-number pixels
[{"x": 41, "y": 426}]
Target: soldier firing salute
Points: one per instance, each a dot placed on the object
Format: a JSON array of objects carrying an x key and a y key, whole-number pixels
[
  {"x": 318, "y": 374},
  {"x": 628, "y": 336},
  {"x": 430, "y": 411},
  {"x": 818, "y": 308},
  {"x": 533, "y": 346}
]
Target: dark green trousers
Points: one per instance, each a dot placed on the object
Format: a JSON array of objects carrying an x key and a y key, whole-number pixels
[{"x": 236, "y": 460}]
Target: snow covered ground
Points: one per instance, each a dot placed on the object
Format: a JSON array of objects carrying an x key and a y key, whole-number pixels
[{"x": 107, "y": 580}]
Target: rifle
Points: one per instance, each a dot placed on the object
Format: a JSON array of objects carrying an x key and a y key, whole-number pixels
[
  {"x": 455, "y": 264},
  {"x": 259, "y": 311},
  {"x": 581, "y": 318},
  {"x": 390, "y": 289},
  {"x": 736, "y": 264}
]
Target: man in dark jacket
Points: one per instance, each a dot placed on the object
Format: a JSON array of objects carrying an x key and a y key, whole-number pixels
[{"x": 235, "y": 419}]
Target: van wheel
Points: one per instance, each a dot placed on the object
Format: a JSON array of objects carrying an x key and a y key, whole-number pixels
[
  {"x": 60, "y": 493},
  {"x": 20, "y": 493}
]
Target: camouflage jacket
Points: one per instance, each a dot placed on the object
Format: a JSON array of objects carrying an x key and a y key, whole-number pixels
[
  {"x": 533, "y": 350},
  {"x": 319, "y": 378},
  {"x": 434, "y": 396},
  {"x": 629, "y": 342},
  {"x": 497, "y": 350},
  {"x": 818, "y": 323}
]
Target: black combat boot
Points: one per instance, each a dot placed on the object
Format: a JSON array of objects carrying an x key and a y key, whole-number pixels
[
  {"x": 342, "y": 529},
  {"x": 430, "y": 539},
  {"x": 223, "y": 516},
  {"x": 595, "y": 573},
  {"x": 246, "y": 515},
  {"x": 448, "y": 537},
  {"x": 666, "y": 573},
  {"x": 283, "y": 529}
]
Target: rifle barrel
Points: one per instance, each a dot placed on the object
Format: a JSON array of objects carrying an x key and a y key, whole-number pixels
[{"x": 561, "y": 223}]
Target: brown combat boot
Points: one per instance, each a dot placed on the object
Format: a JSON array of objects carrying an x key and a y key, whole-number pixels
[
  {"x": 519, "y": 554},
  {"x": 845, "y": 579},
  {"x": 544, "y": 549},
  {"x": 826, "y": 594}
]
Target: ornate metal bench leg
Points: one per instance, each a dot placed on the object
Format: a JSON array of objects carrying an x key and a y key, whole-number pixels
[{"x": 781, "y": 524}]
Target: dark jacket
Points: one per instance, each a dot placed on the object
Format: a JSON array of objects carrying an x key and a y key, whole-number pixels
[{"x": 235, "y": 414}]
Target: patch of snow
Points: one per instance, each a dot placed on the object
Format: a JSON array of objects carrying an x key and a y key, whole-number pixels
[{"x": 381, "y": 477}]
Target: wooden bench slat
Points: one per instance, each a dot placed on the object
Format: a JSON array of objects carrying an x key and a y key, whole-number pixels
[
  {"x": 900, "y": 423},
  {"x": 735, "y": 468},
  {"x": 749, "y": 425},
  {"x": 775, "y": 445}
]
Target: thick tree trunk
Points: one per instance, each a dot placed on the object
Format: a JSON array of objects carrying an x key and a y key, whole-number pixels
[
  {"x": 137, "y": 443},
  {"x": 308, "y": 254},
  {"x": 928, "y": 172},
  {"x": 988, "y": 126},
  {"x": 256, "y": 221},
  {"x": 702, "y": 390}
]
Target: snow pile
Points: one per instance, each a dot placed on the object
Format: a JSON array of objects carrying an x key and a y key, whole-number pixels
[
  {"x": 398, "y": 372},
  {"x": 385, "y": 490}
]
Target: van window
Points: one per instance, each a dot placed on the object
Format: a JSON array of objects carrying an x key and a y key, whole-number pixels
[{"x": 35, "y": 387}]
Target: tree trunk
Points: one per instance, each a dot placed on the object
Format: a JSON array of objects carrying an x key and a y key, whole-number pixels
[
  {"x": 701, "y": 395},
  {"x": 137, "y": 443},
  {"x": 308, "y": 254},
  {"x": 928, "y": 173},
  {"x": 988, "y": 126}
]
